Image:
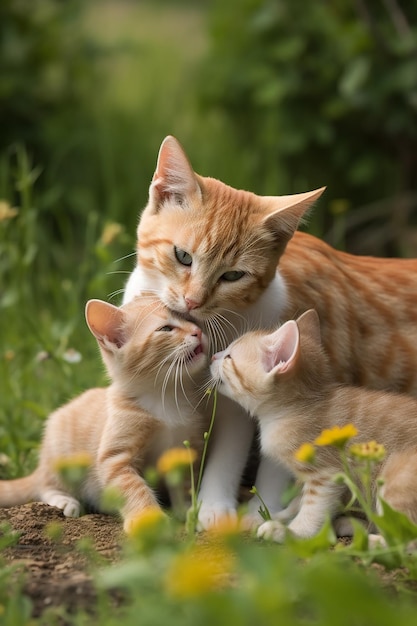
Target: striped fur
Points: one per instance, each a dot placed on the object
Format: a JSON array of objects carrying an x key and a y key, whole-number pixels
[
  {"x": 155, "y": 360},
  {"x": 292, "y": 389}
]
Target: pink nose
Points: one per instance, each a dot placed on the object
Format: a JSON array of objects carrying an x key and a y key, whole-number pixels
[
  {"x": 196, "y": 332},
  {"x": 191, "y": 304}
]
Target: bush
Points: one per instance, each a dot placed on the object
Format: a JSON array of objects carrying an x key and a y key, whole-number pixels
[{"x": 321, "y": 93}]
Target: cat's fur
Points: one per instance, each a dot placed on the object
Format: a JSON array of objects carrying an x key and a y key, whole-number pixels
[
  {"x": 155, "y": 361},
  {"x": 366, "y": 306},
  {"x": 286, "y": 380}
]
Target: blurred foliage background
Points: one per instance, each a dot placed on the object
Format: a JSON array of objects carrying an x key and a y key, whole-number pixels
[{"x": 269, "y": 95}]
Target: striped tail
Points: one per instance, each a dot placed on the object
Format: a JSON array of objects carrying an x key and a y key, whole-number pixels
[{"x": 19, "y": 490}]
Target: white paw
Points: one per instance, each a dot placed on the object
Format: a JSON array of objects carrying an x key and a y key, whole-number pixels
[
  {"x": 212, "y": 514},
  {"x": 272, "y": 530},
  {"x": 68, "y": 505},
  {"x": 376, "y": 541}
]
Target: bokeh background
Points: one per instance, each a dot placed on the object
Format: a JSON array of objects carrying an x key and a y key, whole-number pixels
[{"x": 274, "y": 96}]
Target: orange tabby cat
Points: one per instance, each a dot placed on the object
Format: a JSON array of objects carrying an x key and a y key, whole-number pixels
[
  {"x": 155, "y": 361},
  {"x": 211, "y": 253},
  {"x": 285, "y": 379}
]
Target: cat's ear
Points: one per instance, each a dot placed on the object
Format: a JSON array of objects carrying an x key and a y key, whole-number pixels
[
  {"x": 309, "y": 325},
  {"x": 106, "y": 323},
  {"x": 174, "y": 176},
  {"x": 282, "y": 348},
  {"x": 284, "y": 213}
]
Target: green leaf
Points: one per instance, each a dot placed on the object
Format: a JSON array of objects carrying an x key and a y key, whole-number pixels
[
  {"x": 321, "y": 542},
  {"x": 395, "y": 527}
]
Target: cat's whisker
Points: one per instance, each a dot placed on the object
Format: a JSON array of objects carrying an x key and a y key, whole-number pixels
[
  {"x": 221, "y": 334},
  {"x": 123, "y": 258},
  {"x": 114, "y": 294},
  {"x": 224, "y": 319}
]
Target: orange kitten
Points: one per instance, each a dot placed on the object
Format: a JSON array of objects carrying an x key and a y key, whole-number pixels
[
  {"x": 287, "y": 381},
  {"x": 211, "y": 252},
  {"x": 155, "y": 360}
]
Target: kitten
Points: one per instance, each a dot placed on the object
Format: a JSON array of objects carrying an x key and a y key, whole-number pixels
[
  {"x": 211, "y": 253},
  {"x": 287, "y": 381},
  {"x": 155, "y": 361}
]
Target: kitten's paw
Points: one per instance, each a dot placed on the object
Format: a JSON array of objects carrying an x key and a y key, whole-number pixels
[
  {"x": 213, "y": 514},
  {"x": 376, "y": 541},
  {"x": 272, "y": 530},
  {"x": 68, "y": 505}
]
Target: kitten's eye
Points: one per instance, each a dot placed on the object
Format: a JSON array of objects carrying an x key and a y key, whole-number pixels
[
  {"x": 232, "y": 276},
  {"x": 227, "y": 356},
  {"x": 182, "y": 256},
  {"x": 166, "y": 329}
]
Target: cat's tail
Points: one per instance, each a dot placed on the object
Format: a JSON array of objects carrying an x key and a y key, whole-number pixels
[{"x": 19, "y": 490}]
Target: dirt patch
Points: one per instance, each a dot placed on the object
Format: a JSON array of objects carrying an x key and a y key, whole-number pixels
[{"x": 55, "y": 553}]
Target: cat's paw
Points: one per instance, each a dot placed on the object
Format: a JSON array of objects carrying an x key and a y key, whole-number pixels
[
  {"x": 272, "y": 530},
  {"x": 68, "y": 505},
  {"x": 376, "y": 541},
  {"x": 211, "y": 515}
]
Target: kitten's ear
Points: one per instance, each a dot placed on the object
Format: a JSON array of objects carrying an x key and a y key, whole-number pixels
[
  {"x": 106, "y": 323},
  {"x": 282, "y": 348},
  {"x": 174, "y": 175},
  {"x": 286, "y": 212},
  {"x": 309, "y": 325}
]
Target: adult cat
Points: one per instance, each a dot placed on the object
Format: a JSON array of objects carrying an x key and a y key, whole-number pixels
[
  {"x": 211, "y": 253},
  {"x": 291, "y": 388},
  {"x": 155, "y": 360}
]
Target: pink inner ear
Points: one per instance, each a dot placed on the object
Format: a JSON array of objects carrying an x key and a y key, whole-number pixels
[
  {"x": 282, "y": 348},
  {"x": 105, "y": 322},
  {"x": 174, "y": 174}
]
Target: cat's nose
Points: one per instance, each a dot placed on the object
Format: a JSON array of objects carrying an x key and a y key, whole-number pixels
[
  {"x": 196, "y": 332},
  {"x": 191, "y": 304}
]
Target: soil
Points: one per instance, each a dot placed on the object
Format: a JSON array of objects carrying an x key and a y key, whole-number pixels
[{"x": 55, "y": 567}]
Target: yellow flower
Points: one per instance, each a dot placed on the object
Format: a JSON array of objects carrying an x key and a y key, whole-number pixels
[
  {"x": 371, "y": 450},
  {"x": 336, "y": 436},
  {"x": 145, "y": 523},
  {"x": 110, "y": 232},
  {"x": 77, "y": 460},
  {"x": 6, "y": 211},
  {"x": 199, "y": 571},
  {"x": 306, "y": 453},
  {"x": 174, "y": 459},
  {"x": 73, "y": 468}
]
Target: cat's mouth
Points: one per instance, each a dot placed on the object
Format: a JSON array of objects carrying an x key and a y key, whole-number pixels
[{"x": 196, "y": 354}]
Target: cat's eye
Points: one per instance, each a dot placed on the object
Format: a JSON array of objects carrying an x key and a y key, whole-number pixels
[
  {"x": 166, "y": 329},
  {"x": 227, "y": 356},
  {"x": 232, "y": 276},
  {"x": 183, "y": 257}
]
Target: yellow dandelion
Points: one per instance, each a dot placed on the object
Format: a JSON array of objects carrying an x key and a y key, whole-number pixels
[
  {"x": 175, "y": 459},
  {"x": 7, "y": 212},
  {"x": 110, "y": 232},
  {"x": 336, "y": 436},
  {"x": 199, "y": 571},
  {"x": 73, "y": 468},
  {"x": 76, "y": 460},
  {"x": 371, "y": 451},
  {"x": 145, "y": 523},
  {"x": 306, "y": 453}
]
